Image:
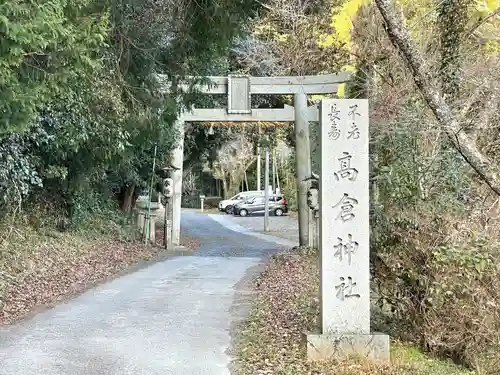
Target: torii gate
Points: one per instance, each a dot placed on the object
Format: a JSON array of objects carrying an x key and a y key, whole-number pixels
[{"x": 239, "y": 89}]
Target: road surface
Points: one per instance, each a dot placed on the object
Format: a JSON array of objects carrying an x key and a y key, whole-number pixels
[{"x": 173, "y": 317}]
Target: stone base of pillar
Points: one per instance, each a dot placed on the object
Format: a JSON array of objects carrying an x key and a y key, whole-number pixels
[
  {"x": 179, "y": 251},
  {"x": 374, "y": 346}
]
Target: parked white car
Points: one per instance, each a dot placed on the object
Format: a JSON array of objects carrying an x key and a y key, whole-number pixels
[{"x": 227, "y": 204}]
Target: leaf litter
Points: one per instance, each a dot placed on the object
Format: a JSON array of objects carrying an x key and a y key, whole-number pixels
[{"x": 285, "y": 307}]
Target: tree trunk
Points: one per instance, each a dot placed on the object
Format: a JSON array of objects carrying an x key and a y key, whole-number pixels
[
  {"x": 234, "y": 185},
  {"x": 225, "y": 191},
  {"x": 448, "y": 120},
  {"x": 128, "y": 198},
  {"x": 230, "y": 188}
]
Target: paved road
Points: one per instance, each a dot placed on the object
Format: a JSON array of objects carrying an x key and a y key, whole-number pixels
[
  {"x": 286, "y": 226},
  {"x": 281, "y": 226},
  {"x": 173, "y": 317}
]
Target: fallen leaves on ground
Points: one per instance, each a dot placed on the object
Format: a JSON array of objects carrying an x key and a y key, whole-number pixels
[
  {"x": 285, "y": 307},
  {"x": 190, "y": 242},
  {"x": 38, "y": 270}
]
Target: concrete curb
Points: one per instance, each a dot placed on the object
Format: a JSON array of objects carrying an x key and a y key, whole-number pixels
[{"x": 226, "y": 222}]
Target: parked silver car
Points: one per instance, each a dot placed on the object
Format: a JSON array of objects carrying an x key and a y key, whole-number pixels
[
  {"x": 227, "y": 204},
  {"x": 256, "y": 205}
]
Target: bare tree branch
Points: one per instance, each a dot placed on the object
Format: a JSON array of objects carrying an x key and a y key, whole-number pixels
[
  {"x": 426, "y": 84},
  {"x": 482, "y": 21}
]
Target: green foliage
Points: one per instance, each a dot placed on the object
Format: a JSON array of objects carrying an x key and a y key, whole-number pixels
[
  {"x": 444, "y": 295},
  {"x": 44, "y": 50},
  {"x": 408, "y": 170},
  {"x": 200, "y": 146},
  {"x": 17, "y": 170},
  {"x": 81, "y": 110},
  {"x": 88, "y": 203}
]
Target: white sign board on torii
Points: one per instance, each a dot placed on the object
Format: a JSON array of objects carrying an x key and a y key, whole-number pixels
[{"x": 239, "y": 89}]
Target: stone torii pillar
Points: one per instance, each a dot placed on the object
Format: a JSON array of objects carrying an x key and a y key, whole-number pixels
[
  {"x": 178, "y": 163},
  {"x": 239, "y": 89}
]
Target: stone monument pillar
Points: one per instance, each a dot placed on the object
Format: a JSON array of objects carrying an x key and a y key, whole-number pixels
[{"x": 344, "y": 236}]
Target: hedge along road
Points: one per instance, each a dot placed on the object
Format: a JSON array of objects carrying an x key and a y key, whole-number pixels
[{"x": 173, "y": 317}]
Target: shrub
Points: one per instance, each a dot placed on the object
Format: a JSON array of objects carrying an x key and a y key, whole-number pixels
[
  {"x": 442, "y": 295},
  {"x": 435, "y": 263}
]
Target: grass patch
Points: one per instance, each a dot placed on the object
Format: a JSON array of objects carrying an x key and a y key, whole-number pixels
[{"x": 287, "y": 305}]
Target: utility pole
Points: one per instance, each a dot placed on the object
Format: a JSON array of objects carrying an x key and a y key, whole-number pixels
[
  {"x": 258, "y": 159},
  {"x": 266, "y": 192},
  {"x": 278, "y": 166},
  {"x": 274, "y": 171},
  {"x": 303, "y": 167}
]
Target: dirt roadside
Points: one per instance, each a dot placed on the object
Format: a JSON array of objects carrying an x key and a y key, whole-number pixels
[{"x": 57, "y": 268}]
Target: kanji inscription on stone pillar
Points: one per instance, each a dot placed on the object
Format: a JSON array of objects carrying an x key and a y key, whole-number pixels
[{"x": 344, "y": 212}]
